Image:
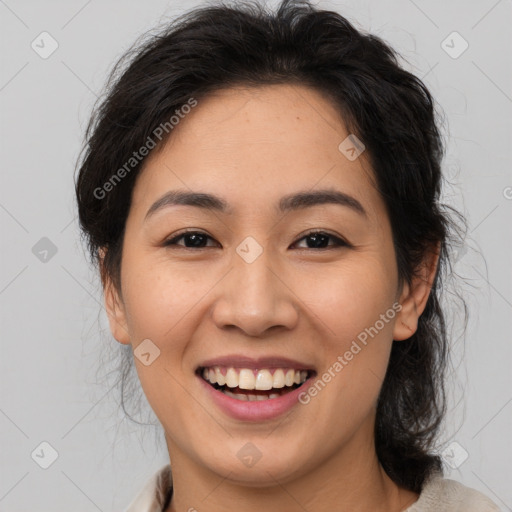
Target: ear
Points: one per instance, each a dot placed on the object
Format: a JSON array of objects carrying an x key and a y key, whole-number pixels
[
  {"x": 114, "y": 306},
  {"x": 414, "y": 296}
]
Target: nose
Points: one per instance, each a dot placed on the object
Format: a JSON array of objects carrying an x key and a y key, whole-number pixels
[{"x": 256, "y": 298}]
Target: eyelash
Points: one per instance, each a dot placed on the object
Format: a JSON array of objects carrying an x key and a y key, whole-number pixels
[{"x": 339, "y": 242}]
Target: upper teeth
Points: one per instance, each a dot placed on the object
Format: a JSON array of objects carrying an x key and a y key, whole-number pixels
[{"x": 245, "y": 378}]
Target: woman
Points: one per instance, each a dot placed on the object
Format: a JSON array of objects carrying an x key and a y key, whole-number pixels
[{"x": 261, "y": 195}]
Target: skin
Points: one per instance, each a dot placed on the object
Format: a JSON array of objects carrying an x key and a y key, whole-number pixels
[{"x": 251, "y": 146}]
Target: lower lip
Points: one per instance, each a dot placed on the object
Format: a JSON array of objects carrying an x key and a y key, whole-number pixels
[{"x": 258, "y": 410}]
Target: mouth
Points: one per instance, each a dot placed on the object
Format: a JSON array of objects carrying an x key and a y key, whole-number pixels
[{"x": 250, "y": 384}]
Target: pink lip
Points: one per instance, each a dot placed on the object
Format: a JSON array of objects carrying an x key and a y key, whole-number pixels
[
  {"x": 236, "y": 361},
  {"x": 257, "y": 410}
]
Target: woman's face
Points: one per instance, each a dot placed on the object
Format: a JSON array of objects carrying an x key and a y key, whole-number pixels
[{"x": 251, "y": 291}]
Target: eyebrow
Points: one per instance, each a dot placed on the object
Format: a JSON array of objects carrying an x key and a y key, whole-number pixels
[{"x": 291, "y": 202}]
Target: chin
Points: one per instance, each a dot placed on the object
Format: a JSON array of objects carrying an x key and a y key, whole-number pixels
[{"x": 258, "y": 463}]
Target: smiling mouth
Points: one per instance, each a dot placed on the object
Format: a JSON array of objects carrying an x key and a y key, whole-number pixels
[{"x": 251, "y": 385}]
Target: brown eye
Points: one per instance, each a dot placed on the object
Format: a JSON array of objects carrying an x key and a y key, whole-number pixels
[
  {"x": 193, "y": 239},
  {"x": 319, "y": 240}
]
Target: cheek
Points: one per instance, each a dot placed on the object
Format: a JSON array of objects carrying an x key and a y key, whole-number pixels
[
  {"x": 351, "y": 298},
  {"x": 355, "y": 309},
  {"x": 158, "y": 298}
]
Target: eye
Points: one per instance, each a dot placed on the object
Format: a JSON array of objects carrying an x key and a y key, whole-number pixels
[
  {"x": 320, "y": 238},
  {"x": 196, "y": 239}
]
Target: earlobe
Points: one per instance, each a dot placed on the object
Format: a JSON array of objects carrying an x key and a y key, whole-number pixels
[
  {"x": 414, "y": 297},
  {"x": 114, "y": 309}
]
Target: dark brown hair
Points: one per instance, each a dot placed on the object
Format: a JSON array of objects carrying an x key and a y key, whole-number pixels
[{"x": 388, "y": 108}]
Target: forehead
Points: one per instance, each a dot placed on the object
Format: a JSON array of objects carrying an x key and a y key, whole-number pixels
[{"x": 254, "y": 145}]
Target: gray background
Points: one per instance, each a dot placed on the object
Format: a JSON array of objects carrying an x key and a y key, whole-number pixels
[{"x": 56, "y": 348}]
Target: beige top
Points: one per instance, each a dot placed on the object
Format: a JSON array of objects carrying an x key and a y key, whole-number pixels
[{"x": 439, "y": 494}]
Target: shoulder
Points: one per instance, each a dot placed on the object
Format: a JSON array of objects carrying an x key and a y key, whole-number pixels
[
  {"x": 154, "y": 492},
  {"x": 441, "y": 494}
]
